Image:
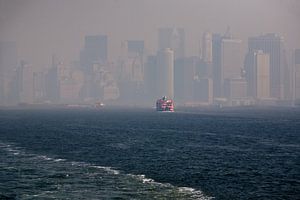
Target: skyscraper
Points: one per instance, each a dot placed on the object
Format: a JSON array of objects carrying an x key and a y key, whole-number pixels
[
  {"x": 95, "y": 51},
  {"x": 232, "y": 58},
  {"x": 207, "y": 47},
  {"x": 262, "y": 75},
  {"x": 173, "y": 38},
  {"x": 185, "y": 71},
  {"x": 297, "y": 76},
  {"x": 131, "y": 72},
  {"x": 151, "y": 77},
  {"x": 227, "y": 61},
  {"x": 26, "y": 83},
  {"x": 272, "y": 44},
  {"x": 217, "y": 64},
  {"x": 52, "y": 82},
  {"x": 258, "y": 74},
  {"x": 8, "y": 62},
  {"x": 207, "y": 55},
  {"x": 165, "y": 73},
  {"x": 135, "y": 60}
]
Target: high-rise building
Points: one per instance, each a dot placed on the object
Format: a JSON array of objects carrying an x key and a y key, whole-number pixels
[
  {"x": 297, "y": 76},
  {"x": 8, "y": 62},
  {"x": 272, "y": 44},
  {"x": 207, "y": 56},
  {"x": 227, "y": 61},
  {"x": 185, "y": 71},
  {"x": 131, "y": 72},
  {"x": 165, "y": 73},
  {"x": 207, "y": 47},
  {"x": 173, "y": 38},
  {"x": 217, "y": 64},
  {"x": 135, "y": 60},
  {"x": 151, "y": 78},
  {"x": 52, "y": 82},
  {"x": 95, "y": 51},
  {"x": 39, "y": 86},
  {"x": 258, "y": 74},
  {"x": 232, "y": 58},
  {"x": 262, "y": 75},
  {"x": 26, "y": 83}
]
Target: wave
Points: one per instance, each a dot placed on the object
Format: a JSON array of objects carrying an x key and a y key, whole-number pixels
[{"x": 141, "y": 178}]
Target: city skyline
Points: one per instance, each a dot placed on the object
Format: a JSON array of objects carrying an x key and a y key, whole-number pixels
[
  {"x": 43, "y": 28},
  {"x": 219, "y": 68}
]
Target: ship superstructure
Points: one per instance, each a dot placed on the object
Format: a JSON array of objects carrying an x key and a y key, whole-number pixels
[{"x": 165, "y": 104}]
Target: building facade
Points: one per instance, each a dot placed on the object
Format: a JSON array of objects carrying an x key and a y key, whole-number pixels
[
  {"x": 297, "y": 76},
  {"x": 165, "y": 73},
  {"x": 273, "y": 45}
]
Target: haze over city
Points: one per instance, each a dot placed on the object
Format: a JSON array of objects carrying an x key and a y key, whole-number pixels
[{"x": 41, "y": 29}]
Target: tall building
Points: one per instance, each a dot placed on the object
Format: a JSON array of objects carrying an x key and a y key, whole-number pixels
[
  {"x": 26, "y": 83},
  {"x": 165, "y": 73},
  {"x": 227, "y": 61},
  {"x": 39, "y": 86},
  {"x": 217, "y": 64},
  {"x": 151, "y": 78},
  {"x": 207, "y": 47},
  {"x": 207, "y": 55},
  {"x": 95, "y": 51},
  {"x": 232, "y": 58},
  {"x": 185, "y": 71},
  {"x": 52, "y": 82},
  {"x": 173, "y": 38},
  {"x": 297, "y": 76},
  {"x": 258, "y": 74},
  {"x": 8, "y": 62},
  {"x": 179, "y": 80},
  {"x": 131, "y": 72},
  {"x": 262, "y": 75},
  {"x": 272, "y": 44},
  {"x": 133, "y": 61}
]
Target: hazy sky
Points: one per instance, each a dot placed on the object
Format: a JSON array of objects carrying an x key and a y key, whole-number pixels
[{"x": 43, "y": 27}]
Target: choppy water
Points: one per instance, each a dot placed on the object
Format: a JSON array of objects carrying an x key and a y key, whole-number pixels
[{"x": 142, "y": 154}]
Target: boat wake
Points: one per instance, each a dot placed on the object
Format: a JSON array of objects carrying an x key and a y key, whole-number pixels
[{"x": 85, "y": 180}]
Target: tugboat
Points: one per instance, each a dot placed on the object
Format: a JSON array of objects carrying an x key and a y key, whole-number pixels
[{"x": 165, "y": 105}]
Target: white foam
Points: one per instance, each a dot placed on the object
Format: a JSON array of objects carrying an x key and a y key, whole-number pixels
[
  {"x": 186, "y": 189},
  {"x": 143, "y": 178},
  {"x": 107, "y": 169},
  {"x": 197, "y": 194},
  {"x": 44, "y": 157},
  {"x": 194, "y": 193},
  {"x": 80, "y": 164},
  {"x": 59, "y": 160}
]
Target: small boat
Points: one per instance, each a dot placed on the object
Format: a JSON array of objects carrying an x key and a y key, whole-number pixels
[{"x": 165, "y": 105}]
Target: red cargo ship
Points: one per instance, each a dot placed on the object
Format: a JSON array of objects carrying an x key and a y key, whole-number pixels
[{"x": 165, "y": 104}]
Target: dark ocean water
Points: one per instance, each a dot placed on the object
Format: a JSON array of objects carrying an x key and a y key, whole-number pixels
[{"x": 142, "y": 154}]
